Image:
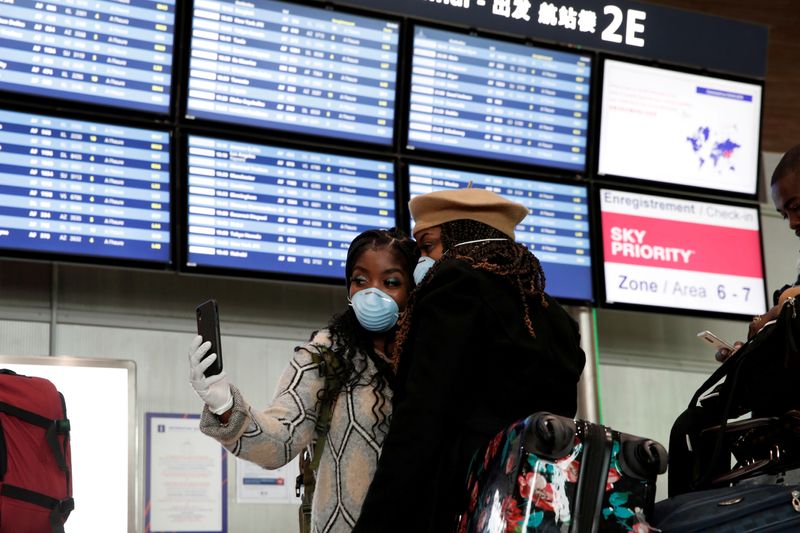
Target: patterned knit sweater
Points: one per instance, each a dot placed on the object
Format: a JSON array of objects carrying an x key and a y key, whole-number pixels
[{"x": 272, "y": 437}]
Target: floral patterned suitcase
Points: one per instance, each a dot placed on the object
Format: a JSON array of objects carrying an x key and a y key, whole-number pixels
[{"x": 548, "y": 473}]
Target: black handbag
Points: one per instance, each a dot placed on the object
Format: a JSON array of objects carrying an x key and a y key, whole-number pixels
[
  {"x": 761, "y": 378},
  {"x": 767, "y": 445}
]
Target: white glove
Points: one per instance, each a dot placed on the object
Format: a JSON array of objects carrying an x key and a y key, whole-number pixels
[{"x": 214, "y": 390}]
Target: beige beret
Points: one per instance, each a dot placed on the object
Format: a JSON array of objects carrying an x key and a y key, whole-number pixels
[{"x": 438, "y": 207}]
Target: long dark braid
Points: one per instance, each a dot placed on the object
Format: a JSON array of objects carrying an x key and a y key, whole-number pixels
[
  {"x": 508, "y": 259},
  {"x": 349, "y": 338}
]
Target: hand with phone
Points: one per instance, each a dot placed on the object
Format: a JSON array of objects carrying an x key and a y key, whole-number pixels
[
  {"x": 208, "y": 328},
  {"x": 206, "y": 376},
  {"x": 724, "y": 350}
]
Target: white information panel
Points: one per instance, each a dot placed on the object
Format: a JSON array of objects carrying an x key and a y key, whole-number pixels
[
  {"x": 681, "y": 254},
  {"x": 679, "y": 128}
]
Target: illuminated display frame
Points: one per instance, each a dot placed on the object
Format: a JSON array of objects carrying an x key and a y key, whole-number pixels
[
  {"x": 506, "y": 174},
  {"x": 397, "y": 152},
  {"x": 293, "y": 135},
  {"x": 599, "y": 252},
  {"x": 183, "y": 239},
  {"x": 650, "y": 182},
  {"x": 78, "y": 104},
  {"x": 511, "y": 165},
  {"x": 95, "y": 259}
]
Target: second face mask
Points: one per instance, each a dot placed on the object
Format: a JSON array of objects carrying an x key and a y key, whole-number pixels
[{"x": 423, "y": 265}]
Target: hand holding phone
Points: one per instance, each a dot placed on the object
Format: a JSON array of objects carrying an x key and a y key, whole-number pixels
[
  {"x": 715, "y": 341},
  {"x": 208, "y": 328}
]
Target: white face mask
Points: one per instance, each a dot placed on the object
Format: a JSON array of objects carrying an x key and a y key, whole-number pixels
[
  {"x": 425, "y": 263},
  {"x": 423, "y": 266},
  {"x": 375, "y": 310}
]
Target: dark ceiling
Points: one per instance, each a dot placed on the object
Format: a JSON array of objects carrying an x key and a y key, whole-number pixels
[{"x": 781, "y": 126}]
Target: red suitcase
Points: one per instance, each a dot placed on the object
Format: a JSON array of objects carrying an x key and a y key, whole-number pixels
[
  {"x": 553, "y": 474},
  {"x": 35, "y": 461}
]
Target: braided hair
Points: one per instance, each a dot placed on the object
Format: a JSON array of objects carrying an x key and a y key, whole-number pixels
[
  {"x": 508, "y": 259},
  {"x": 349, "y": 338}
]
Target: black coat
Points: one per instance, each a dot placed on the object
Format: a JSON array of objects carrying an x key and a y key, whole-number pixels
[{"x": 470, "y": 368}]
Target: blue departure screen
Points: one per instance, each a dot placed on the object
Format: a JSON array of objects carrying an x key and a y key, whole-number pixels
[
  {"x": 556, "y": 231},
  {"x": 293, "y": 68},
  {"x": 488, "y": 98},
  {"x": 84, "y": 188},
  {"x": 269, "y": 209},
  {"x": 116, "y": 53}
]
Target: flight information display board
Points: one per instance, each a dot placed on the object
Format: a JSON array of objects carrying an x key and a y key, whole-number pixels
[
  {"x": 102, "y": 52},
  {"x": 487, "y": 98},
  {"x": 702, "y": 131},
  {"x": 293, "y": 68},
  {"x": 556, "y": 230},
  {"x": 279, "y": 210},
  {"x": 666, "y": 252},
  {"x": 84, "y": 188}
]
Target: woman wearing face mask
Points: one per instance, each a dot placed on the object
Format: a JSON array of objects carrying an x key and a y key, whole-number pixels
[
  {"x": 481, "y": 345},
  {"x": 358, "y": 343}
]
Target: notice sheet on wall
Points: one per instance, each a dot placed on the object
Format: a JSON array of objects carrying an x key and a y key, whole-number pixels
[
  {"x": 185, "y": 477},
  {"x": 259, "y": 485}
]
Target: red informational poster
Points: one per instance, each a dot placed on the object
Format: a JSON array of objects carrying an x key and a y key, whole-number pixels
[{"x": 683, "y": 254}]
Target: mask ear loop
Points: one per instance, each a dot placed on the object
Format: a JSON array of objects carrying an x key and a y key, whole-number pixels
[
  {"x": 473, "y": 242},
  {"x": 479, "y": 240}
]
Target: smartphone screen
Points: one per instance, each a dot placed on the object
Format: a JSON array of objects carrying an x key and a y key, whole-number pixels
[
  {"x": 208, "y": 328},
  {"x": 715, "y": 341}
]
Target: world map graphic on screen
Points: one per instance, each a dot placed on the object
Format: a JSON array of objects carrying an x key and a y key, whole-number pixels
[{"x": 720, "y": 149}]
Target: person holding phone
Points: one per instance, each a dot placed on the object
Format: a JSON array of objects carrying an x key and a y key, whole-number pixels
[
  {"x": 481, "y": 345},
  {"x": 357, "y": 346},
  {"x": 785, "y": 188}
]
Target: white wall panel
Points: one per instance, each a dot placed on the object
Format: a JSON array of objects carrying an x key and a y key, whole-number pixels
[
  {"x": 170, "y": 295},
  {"x": 24, "y": 338},
  {"x": 780, "y": 250},
  {"x": 255, "y": 369},
  {"x": 644, "y": 401}
]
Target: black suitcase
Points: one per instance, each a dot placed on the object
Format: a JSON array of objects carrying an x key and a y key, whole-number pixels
[
  {"x": 548, "y": 473},
  {"x": 740, "y": 509}
]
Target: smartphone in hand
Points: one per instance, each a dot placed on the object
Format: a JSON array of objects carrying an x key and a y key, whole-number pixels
[
  {"x": 713, "y": 340},
  {"x": 208, "y": 328}
]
